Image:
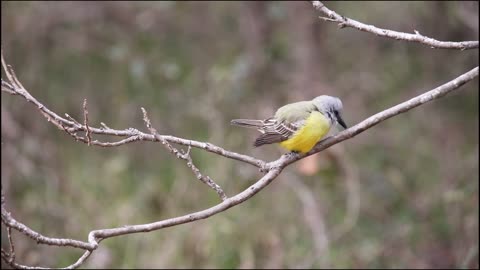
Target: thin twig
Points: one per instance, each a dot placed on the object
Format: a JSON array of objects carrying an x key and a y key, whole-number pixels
[
  {"x": 117, "y": 143},
  {"x": 185, "y": 156},
  {"x": 72, "y": 119},
  {"x": 85, "y": 122},
  {"x": 9, "y": 221},
  {"x": 10, "y": 242},
  {"x": 332, "y": 16},
  {"x": 152, "y": 130},
  {"x": 230, "y": 202},
  {"x": 204, "y": 178},
  {"x": 8, "y": 88},
  {"x": 5, "y": 255}
]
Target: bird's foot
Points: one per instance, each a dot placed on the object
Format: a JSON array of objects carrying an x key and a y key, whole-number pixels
[{"x": 291, "y": 154}]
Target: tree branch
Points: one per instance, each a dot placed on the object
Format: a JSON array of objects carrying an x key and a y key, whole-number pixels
[
  {"x": 85, "y": 122},
  {"x": 271, "y": 169},
  {"x": 373, "y": 120},
  {"x": 185, "y": 156},
  {"x": 14, "y": 87},
  {"x": 10, "y": 222},
  {"x": 417, "y": 37}
]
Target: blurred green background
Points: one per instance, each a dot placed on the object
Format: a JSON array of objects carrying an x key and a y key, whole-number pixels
[{"x": 402, "y": 194}]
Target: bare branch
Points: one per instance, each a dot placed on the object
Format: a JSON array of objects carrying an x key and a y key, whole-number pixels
[
  {"x": 85, "y": 122},
  {"x": 104, "y": 125},
  {"x": 342, "y": 21},
  {"x": 8, "y": 88},
  {"x": 10, "y": 242},
  {"x": 5, "y": 256},
  {"x": 72, "y": 126},
  {"x": 152, "y": 130},
  {"x": 381, "y": 116},
  {"x": 117, "y": 143},
  {"x": 98, "y": 235},
  {"x": 72, "y": 119},
  {"x": 9, "y": 221},
  {"x": 205, "y": 179},
  {"x": 185, "y": 156},
  {"x": 79, "y": 262}
]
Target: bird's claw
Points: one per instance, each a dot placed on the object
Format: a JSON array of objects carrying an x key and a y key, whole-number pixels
[{"x": 291, "y": 154}]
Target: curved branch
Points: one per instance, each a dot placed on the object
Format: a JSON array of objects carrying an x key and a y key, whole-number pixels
[
  {"x": 417, "y": 37},
  {"x": 10, "y": 222},
  {"x": 373, "y": 120},
  {"x": 98, "y": 235},
  {"x": 132, "y": 134},
  {"x": 14, "y": 87},
  {"x": 185, "y": 156},
  {"x": 75, "y": 265}
]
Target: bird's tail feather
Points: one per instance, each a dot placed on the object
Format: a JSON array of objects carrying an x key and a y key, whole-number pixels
[{"x": 248, "y": 123}]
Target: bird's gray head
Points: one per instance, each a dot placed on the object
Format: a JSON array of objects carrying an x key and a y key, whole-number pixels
[{"x": 330, "y": 107}]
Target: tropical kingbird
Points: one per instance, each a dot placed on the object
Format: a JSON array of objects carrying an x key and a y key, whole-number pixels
[{"x": 298, "y": 126}]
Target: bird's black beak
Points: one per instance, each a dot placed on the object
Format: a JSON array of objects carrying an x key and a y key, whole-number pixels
[{"x": 340, "y": 121}]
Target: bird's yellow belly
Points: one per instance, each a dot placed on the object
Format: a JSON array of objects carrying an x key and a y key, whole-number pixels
[{"x": 316, "y": 126}]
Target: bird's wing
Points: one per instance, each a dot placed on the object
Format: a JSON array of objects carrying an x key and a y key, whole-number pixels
[
  {"x": 287, "y": 120},
  {"x": 277, "y": 131},
  {"x": 295, "y": 112}
]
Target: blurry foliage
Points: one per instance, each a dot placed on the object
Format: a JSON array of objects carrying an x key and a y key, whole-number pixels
[{"x": 196, "y": 65}]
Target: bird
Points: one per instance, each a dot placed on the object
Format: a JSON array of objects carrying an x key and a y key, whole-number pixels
[{"x": 298, "y": 126}]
